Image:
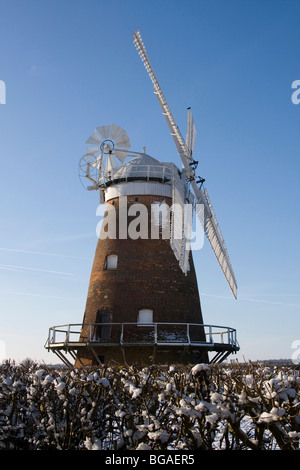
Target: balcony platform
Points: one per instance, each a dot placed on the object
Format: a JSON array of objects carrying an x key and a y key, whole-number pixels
[{"x": 73, "y": 339}]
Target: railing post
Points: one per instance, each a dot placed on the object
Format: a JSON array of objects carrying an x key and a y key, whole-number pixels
[
  {"x": 210, "y": 334},
  {"x": 229, "y": 337},
  {"x": 67, "y": 334},
  {"x": 122, "y": 333},
  {"x": 188, "y": 332},
  {"x": 155, "y": 333},
  {"x": 90, "y": 333}
]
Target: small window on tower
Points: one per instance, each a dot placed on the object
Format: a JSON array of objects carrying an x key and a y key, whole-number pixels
[
  {"x": 145, "y": 316},
  {"x": 111, "y": 262}
]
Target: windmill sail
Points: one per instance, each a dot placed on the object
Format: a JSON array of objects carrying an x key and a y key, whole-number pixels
[
  {"x": 215, "y": 238},
  {"x": 187, "y": 231},
  {"x": 191, "y": 135},
  {"x": 177, "y": 220},
  {"x": 185, "y": 150},
  {"x": 175, "y": 132}
]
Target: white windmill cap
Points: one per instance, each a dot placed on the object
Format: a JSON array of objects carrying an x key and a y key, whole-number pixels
[
  {"x": 142, "y": 167},
  {"x": 141, "y": 175}
]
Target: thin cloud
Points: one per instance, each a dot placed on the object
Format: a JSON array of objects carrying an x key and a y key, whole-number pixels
[
  {"x": 245, "y": 299},
  {"x": 21, "y": 268},
  {"x": 9, "y": 269},
  {"x": 216, "y": 296},
  {"x": 273, "y": 302},
  {"x": 62, "y": 238},
  {"x": 33, "y": 294},
  {"x": 42, "y": 253}
]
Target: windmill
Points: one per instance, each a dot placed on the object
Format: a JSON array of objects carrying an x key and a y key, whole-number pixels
[{"x": 143, "y": 302}]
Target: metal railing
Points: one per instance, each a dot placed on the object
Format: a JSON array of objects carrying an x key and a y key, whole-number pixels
[
  {"x": 130, "y": 172},
  {"x": 159, "y": 333}
]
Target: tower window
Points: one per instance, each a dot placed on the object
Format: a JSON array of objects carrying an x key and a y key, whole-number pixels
[
  {"x": 145, "y": 316},
  {"x": 111, "y": 262}
]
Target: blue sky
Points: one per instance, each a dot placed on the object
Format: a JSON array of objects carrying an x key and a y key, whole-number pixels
[{"x": 70, "y": 66}]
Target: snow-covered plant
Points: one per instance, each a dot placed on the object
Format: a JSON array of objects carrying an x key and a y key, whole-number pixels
[{"x": 240, "y": 406}]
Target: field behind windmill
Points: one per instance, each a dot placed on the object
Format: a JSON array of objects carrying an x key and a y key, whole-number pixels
[{"x": 229, "y": 406}]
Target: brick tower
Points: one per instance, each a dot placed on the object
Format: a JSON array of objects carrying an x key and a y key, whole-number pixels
[{"x": 138, "y": 282}]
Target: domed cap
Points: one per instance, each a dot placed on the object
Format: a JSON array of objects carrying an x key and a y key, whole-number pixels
[{"x": 142, "y": 167}]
